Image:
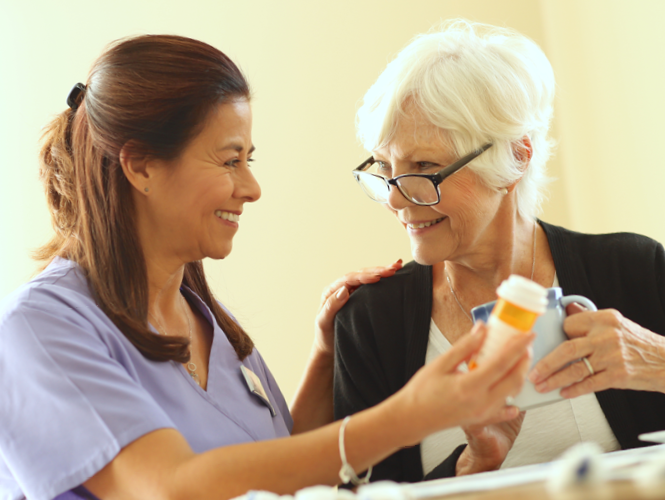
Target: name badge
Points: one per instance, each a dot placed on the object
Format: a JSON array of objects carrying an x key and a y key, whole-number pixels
[{"x": 256, "y": 388}]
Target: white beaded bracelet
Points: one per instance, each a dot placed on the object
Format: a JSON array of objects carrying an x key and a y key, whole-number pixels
[{"x": 346, "y": 473}]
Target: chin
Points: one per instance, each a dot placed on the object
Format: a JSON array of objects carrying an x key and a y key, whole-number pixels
[
  {"x": 219, "y": 253},
  {"x": 426, "y": 256}
]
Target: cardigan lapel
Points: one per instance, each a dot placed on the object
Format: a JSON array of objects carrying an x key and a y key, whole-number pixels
[
  {"x": 417, "y": 317},
  {"x": 574, "y": 280}
]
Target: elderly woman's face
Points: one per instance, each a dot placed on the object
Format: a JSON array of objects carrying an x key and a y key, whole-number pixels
[
  {"x": 462, "y": 222},
  {"x": 197, "y": 199}
]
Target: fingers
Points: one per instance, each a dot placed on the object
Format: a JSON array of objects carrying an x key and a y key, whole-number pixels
[
  {"x": 497, "y": 366},
  {"x": 565, "y": 353},
  {"x": 598, "y": 382},
  {"x": 362, "y": 277},
  {"x": 572, "y": 374},
  {"x": 580, "y": 323},
  {"x": 506, "y": 413},
  {"x": 512, "y": 382},
  {"x": 574, "y": 308},
  {"x": 331, "y": 307},
  {"x": 462, "y": 351}
]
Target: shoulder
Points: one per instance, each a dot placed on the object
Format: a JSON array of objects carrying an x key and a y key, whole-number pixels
[
  {"x": 55, "y": 305},
  {"x": 412, "y": 280},
  {"x": 600, "y": 248},
  {"x": 624, "y": 271},
  {"x": 61, "y": 284}
]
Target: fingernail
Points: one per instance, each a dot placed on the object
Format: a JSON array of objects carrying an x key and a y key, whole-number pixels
[
  {"x": 541, "y": 387},
  {"x": 341, "y": 292},
  {"x": 534, "y": 376},
  {"x": 476, "y": 327}
]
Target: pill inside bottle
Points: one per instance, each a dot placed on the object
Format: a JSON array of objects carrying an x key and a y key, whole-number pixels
[{"x": 520, "y": 303}]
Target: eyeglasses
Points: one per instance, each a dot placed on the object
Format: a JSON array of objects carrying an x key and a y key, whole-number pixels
[{"x": 420, "y": 189}]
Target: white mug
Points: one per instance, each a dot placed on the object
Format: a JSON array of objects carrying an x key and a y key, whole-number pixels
[{"x": 549, "y": 334}]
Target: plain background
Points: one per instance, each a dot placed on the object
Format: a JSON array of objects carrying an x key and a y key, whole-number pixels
[{"x": 309, "y": 63}]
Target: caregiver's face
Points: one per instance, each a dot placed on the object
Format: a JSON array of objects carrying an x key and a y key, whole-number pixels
[
  {"x": 204, "y": 190},
  {"x": 456, "y": 226}
]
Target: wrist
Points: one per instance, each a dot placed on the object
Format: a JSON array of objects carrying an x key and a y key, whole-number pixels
[
  {"x": 399, "y": 408},
  {"x": 321, "y": 359}
]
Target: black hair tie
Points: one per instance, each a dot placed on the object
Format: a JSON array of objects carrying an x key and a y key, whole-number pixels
[{"x": 76, "y": 96}]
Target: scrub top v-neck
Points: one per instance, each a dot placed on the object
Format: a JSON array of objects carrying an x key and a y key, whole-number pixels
[{"x": 74, "y": 391}]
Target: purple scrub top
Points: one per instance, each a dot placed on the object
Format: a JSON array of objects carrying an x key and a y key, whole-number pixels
[{"x": 74, "y": 391}]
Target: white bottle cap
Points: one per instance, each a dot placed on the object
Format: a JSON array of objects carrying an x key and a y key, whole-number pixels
[{"x": 524, "y": 293}]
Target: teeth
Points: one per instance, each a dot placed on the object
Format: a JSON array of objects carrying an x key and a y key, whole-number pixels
[
  {"x": 424, "y": 224},
  {"x": 227, "y": 216}
]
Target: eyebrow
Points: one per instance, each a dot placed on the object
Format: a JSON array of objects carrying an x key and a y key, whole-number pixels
[{"x": 237, "y": 147}]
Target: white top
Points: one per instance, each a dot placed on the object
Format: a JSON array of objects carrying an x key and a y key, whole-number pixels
[{"x": 546, "y": 431}]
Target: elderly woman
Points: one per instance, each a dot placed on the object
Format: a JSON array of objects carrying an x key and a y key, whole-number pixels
[
  {"x": 458, "y": 129},
  {"x": 121, "y": 376}
]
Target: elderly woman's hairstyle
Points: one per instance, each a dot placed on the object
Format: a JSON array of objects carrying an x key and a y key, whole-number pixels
[
  {"x": 478, "y": 84},
  {"x": 152, "y": 95}
]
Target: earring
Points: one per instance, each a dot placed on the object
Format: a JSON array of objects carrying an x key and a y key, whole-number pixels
[
  {"x": 147, "y": 189},
  {"x": 503, "y": 191}
]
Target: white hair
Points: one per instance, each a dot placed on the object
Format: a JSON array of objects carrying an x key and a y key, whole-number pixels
[{"x": 477, "y": 83}]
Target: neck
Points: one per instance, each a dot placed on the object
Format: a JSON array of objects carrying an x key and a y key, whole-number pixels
[
  {"x": 504, "y": 248},
  {"x": 165, "y": 273}
]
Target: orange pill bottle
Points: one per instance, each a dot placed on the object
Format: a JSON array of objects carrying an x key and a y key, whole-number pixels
[{"x": 520, "y": 303}]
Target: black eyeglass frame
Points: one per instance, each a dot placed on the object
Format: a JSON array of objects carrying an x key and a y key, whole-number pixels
[{"x": 436, "y": 178}]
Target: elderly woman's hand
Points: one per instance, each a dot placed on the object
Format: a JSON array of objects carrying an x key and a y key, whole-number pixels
[
  {"x": 621, "y": 353},
  {"x": 336, "y": 294},
  {"x": 488, "y": 445}
]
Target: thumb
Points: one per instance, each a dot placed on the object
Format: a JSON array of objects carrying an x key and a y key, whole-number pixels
[
  {"x": 575, "y": 308},
  {"x": 333, "y": 304},
  {"x": 464, "y": 348}
]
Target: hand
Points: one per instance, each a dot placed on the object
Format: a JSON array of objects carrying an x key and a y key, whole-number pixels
[
  {"x": 623, "y": 355},
  {"x": 334, "y": 297},
  {"x": 440, "y": 396},
  {"x": 488, "y": 445}
]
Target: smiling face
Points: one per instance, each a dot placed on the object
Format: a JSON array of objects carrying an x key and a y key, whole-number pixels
[
  {"x": 466, "y": 219},
  {"x": 193, "y": 206}
]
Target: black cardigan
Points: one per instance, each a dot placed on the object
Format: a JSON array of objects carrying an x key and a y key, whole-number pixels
[{"x": 381, "y": 334}]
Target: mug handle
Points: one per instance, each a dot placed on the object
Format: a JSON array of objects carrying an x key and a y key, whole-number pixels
[{"x": 569, "y": 299}]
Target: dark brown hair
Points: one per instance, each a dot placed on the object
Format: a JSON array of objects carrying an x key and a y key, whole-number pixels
[{"x": 153, "y": 94}]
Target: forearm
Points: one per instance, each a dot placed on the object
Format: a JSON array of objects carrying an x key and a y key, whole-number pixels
[
  {"x": 312, "y": 405},
  {"x": 283, "y": 466}
]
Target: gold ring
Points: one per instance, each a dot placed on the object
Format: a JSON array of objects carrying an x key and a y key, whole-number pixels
[{"x": 589, "y": 367}]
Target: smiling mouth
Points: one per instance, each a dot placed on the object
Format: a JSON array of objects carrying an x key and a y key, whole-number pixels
[
  {"x": 227, "y": 216},
  {"x": 423, "y": 225}
]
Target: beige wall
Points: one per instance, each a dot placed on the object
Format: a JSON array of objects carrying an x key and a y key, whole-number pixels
[{"x": 309, "y": 63}]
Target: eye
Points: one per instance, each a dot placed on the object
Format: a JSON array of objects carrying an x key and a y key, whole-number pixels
[
  {"x": 382, "y": 167},
  {"x": 427, "y": 165}
]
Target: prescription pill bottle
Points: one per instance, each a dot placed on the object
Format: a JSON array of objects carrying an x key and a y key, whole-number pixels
[{"x": 520, "y": 303}]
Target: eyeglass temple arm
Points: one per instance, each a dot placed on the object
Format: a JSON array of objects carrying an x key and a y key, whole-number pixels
[
  {"x": 364, "y": 164},
  {"x": 451, "y": 169}
]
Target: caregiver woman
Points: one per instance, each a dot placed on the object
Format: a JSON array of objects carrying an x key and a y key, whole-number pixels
[
  {"x": 458, "y": 129},
  {"x": 120, "y": 375}
]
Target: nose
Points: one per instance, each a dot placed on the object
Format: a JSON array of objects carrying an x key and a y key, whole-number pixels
[
  {"x": 247, "y": 187},
  {"x": 396, "y": 200}
]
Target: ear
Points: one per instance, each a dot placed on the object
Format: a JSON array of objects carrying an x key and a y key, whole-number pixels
[
  {"x": 137, "y": 168},
  {"x": 523, "y": 151}
]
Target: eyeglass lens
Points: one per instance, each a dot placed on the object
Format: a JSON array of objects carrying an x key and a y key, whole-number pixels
[{"x": 419, "y": 190}]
